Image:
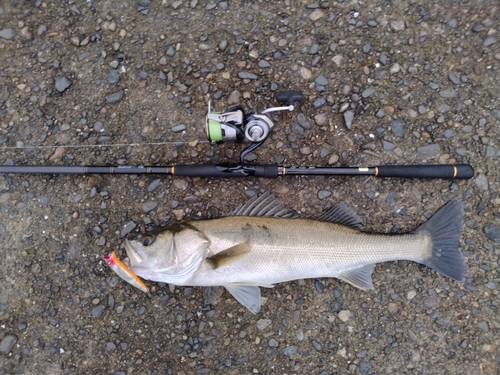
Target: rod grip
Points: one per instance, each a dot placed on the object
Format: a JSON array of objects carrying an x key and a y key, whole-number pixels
[
  {"x": 266, "y": 170},
  {"x": 458, "y": 171}
]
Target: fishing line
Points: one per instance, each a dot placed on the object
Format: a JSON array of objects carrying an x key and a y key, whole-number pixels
[{"x": 3, "y": 148}]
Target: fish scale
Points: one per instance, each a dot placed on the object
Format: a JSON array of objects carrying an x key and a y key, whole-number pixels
[{"x": 302, "y": 248}]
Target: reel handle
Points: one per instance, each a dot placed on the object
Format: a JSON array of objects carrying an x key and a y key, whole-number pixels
[{"x": 290, "y": 97}]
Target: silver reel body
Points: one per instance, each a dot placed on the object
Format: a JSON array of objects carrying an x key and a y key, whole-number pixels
[{"x": 233, "y": 125}]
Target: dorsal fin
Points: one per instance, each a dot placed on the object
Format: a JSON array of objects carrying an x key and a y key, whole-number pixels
[
  {"x": 342, "y": 214},
  {"x": 264, "y": 205}
]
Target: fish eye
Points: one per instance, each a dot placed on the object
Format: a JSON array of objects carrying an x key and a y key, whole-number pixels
[{"x": 147, "y": 240}]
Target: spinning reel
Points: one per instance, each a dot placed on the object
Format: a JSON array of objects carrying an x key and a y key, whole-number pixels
[{"x": 233, "y": 125}]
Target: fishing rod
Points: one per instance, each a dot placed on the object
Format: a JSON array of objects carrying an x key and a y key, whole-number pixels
[{"x": 234, "y": 125}]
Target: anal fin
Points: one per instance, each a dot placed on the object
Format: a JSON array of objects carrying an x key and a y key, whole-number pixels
[
  {"x": 247, "y": 295},
  {"x": 229, "y": 255},
  {"x": 360, "y": 277}
]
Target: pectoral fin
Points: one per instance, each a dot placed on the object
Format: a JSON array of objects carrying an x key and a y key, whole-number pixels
[
  {"x": 359, "y": 277},
  {"x": 229, "y": 256},
  {"x": 247, "y": 295}
]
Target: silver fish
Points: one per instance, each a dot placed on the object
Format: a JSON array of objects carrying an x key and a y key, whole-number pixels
[{"x": 261, "y": 245}]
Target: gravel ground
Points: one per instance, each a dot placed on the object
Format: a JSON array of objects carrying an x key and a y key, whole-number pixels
[{"x": 385, "y": 82}]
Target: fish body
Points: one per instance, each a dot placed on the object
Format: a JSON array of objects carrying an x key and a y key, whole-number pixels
[
  {"x": 254, "y": 249},
  {"x": 281, "y": 249}
]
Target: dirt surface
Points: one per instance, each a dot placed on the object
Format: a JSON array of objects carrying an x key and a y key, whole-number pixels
[{"x": 127, "y": 83}]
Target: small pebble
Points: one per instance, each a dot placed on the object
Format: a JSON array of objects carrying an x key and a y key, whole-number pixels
[
  {"x": 127, "y": 228},
  {"x": 433, "y": 85},
  {"x": 8, "y": 34},
  {"x": 428, "y": 151},
  {"x": 492, "y": 231},
  {"x": 348, "y": 118},
  {"x": 263, "y": 64},
  {"x": 397, "y": 25},
  {"x": 222, "y": 45},
  {"x": 115, "y": 97},
  {"x": 234, "y": 98},
  {"x": 316, "y": 15},
  {"x": 321, "y": 80},
  {"x": 380, "y": 113},
  {"x": 319, "y": 102},
  {"x": 97, "y": 311},
  {"x": 263, "y": 324},
  {"x": 305, "y": 73},
  {"x": 397, "y": 128},
  {"x": 388, "y": 145},
  {"x": 149, "y": 206},
  {"x": 320, "y": 119},
  {"x": 113, "y": 76},
  {"x": 178, "y": 128},
  {"x": 453, "y": 78},
  {"x": 344, "y": 315},
  {"x": 63, "y": 83},
  {"x": 153, "y": 185},
  {"x": 303, "y": 121},
  {"x": 7, "y": 343},
  {"x": 489, "y": 41},
  {"x": 448, "y": 93},
  {"x": 322, "y": 194},
  {"x": 273, "y": 343},
  {"x": 290, "y": 350},
  {"x": 319, "y": 286},
  {"x": 430, "y": 302},
  {"x": 247, "y": 75},
  {"x": 314, "y": 49},
  {"x": 367, "y": 92}
]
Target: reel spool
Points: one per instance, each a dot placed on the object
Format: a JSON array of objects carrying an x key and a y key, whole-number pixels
[{"x": 226, "y": 126}]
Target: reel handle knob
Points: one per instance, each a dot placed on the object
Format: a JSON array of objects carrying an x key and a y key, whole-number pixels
[{"x": 290, "y": 97}]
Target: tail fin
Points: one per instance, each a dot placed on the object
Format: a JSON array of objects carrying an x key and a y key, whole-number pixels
[{"x": 444, "y": 228}]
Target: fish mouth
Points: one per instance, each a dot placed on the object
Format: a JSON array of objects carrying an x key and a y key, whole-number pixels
[{"x": 133, "y": 255}]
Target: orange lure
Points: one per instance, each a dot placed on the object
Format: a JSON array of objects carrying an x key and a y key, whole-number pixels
[{"x": 124, "y": 272}]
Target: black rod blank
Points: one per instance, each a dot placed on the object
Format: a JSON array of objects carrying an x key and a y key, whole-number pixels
[{"x": 444, "y": 171}]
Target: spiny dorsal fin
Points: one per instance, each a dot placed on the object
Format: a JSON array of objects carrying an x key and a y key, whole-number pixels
[
  {"x": 264, "y": 205},
  {"x": 342, "y": 214},
  {"x": 360, "y": 277},
  {"x": 229, "y": 255}
]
